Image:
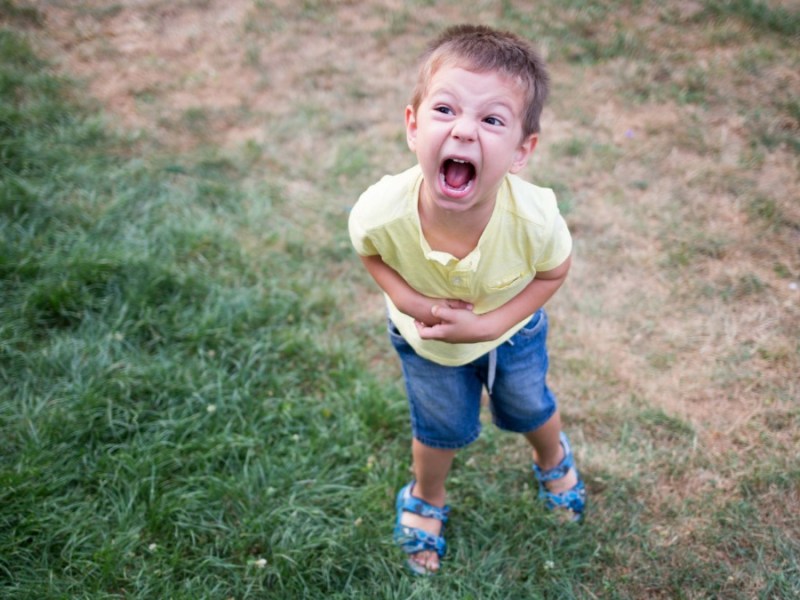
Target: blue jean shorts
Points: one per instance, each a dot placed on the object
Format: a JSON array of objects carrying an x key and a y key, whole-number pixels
[{"x": 445, "y": 402}]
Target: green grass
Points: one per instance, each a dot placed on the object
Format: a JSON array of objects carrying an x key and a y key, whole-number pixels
[
  {"x": 164, "y": 396},
  {"x": 187, "y": 408}
]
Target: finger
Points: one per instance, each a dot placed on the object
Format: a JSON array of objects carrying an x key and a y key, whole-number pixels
[
  {"x": 444, "y": 313},
  {"x": 455, "y": 303},
  {"x": 437, "y": 332}
]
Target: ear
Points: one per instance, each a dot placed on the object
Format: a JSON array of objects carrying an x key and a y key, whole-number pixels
[
  {"x": 411, "y": 128},
  {"x": 523, "y": 153}
]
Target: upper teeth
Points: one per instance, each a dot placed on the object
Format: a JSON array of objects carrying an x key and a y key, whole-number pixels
[{"x": 458, "y": 160}]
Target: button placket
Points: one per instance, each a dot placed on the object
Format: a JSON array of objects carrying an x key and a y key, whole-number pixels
[{"x": 460, "y": 279}]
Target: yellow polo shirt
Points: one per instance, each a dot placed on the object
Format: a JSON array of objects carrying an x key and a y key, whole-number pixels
[{"x": 525, "y": 234}]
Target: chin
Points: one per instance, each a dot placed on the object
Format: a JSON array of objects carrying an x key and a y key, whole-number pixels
[{"x": 455, "y": 205}]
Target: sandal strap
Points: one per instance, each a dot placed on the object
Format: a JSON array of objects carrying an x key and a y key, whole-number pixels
[
  {"x": 573, "y": 499},
  {"x": 418, "y": 506},
  {"x": 412, "y": 540},
  {"x": 561, "y": 469}
]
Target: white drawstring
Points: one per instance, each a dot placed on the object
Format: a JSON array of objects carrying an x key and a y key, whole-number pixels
[{"x": 492, "y": 370}]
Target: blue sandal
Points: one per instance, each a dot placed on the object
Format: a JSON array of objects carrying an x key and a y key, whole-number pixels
[
  {"x": 413, "y": 540},
  {"x": 572, "y": 500}
]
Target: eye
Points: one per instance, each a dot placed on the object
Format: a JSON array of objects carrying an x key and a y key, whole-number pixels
[
  {"x": 494, "y": 121},
  {"x": 445, "y": 110}
]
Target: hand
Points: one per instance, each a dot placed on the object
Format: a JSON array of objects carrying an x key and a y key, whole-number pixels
[
  {"x": 431, "y": 305},
  {"x": 456, "y": 324},
  {"x": 452, "y": 303}
]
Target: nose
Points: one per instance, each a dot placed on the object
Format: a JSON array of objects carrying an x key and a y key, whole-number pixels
[{"x": 464, "y": 129}]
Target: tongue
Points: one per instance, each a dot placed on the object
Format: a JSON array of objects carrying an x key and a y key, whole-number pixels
[{"x": 456, "y": 174}]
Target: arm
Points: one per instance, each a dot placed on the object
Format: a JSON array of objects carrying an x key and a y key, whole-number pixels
[
  {"x": 463, "y": 326},
  {"x": 405, "y": 298}
]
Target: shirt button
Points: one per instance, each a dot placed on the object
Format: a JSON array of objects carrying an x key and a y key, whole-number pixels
[{"x": 457, "y": 280}]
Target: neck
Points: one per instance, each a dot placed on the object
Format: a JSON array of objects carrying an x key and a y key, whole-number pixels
[{"x": 454, "y": 232}]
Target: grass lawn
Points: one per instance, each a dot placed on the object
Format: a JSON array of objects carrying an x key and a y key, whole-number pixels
[{"x": 197, "y": 399}]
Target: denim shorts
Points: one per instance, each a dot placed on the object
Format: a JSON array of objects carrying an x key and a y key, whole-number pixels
[{"x": 445, "y": 402}]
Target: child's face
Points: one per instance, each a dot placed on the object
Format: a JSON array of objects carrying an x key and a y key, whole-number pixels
[{"x": 467, "y": 134}]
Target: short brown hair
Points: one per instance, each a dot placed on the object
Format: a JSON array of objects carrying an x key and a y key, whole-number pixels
[{"x": 483, "y": 48}]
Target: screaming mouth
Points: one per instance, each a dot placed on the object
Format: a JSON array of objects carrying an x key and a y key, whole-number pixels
[{"x": 457, "y": 174}]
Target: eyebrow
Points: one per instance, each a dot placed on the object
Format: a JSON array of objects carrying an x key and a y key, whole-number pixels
[
  {"x": 499, "y": 101},
  {"x": 502, "y": 102}
]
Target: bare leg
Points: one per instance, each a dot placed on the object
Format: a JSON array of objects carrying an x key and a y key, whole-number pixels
[
  {"x": 431, "y": 466},
  {"x": 548, "y": 452}
]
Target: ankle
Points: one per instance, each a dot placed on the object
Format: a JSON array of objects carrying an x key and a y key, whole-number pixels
[
  {"x": 436, "y": 497},
  {"x": 550, "y": 460}
]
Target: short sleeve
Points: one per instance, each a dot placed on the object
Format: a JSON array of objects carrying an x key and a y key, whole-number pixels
[
  {"x": 381, "y": 204},
  {"x": 557, "y": 248},
  {"x": 359, "y": 236}
]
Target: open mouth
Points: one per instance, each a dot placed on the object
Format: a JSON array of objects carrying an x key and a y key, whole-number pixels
[{"x": 457, "y": 175}]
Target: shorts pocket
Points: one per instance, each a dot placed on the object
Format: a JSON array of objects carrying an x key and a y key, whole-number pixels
[{"x": 534, "y": 327}]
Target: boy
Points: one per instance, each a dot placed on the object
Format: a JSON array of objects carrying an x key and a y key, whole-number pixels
[{"x": 467, "y": 254}]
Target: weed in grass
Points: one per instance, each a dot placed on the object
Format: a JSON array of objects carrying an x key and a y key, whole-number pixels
[
  {"x": 667, "y": 425},
  {"x": 662, "y": 360},
  {"x": 757, "y": 14},
  {"x": 765, "y": 209},
  {"x": 253, "y": 56},
  {"x": 754, "y": 60},
  {"x": 195, "y": 119},
  {"x": 773, "y": 131},
  {"x": 572, "y": 148},
  {"x": 681, "y": 253},
  {"x": 398, "y": 23},
  {"x": 692, "y": 87},
  {"x": 781, "y": 270},
  {"x": 19, "y": 15}
]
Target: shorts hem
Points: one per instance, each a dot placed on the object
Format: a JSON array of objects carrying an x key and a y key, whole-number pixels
[
  {"x": 439, "y": 445},
  {"x": 528, "y": 427}
]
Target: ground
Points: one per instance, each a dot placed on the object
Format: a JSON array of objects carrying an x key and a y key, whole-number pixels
[{"x": 670, "y": 137}]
